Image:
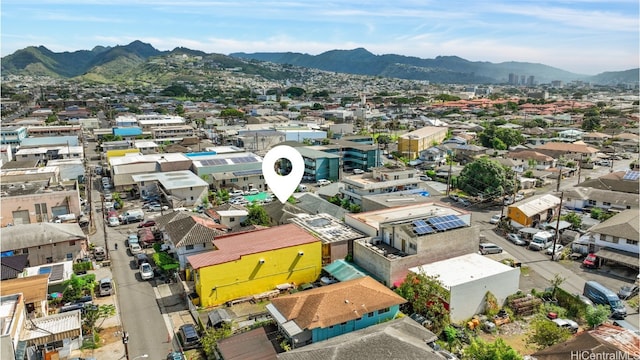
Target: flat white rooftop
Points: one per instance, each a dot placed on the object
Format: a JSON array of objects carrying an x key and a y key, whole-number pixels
[
  {"x": 132, "y": 158},
  {"x": 173, "y": 179},
  {"x": 462, "y": 269}
]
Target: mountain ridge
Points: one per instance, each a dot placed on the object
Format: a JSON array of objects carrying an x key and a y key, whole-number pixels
[{"x": 38, "y": 60}]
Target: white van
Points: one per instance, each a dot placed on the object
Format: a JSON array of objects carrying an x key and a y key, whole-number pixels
[
  {"x": 235, "y": 193},
  {"x": 302, "y": 188},
  {"x": 106, "y": 287},
  {"x": 541, "y": 240}
]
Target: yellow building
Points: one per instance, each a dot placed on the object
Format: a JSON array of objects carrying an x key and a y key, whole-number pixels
[
  {"x": 411, "y": 144},
  {"x": 254, "y": 262},
  {"x": 534, "y": 211},
  {"x": 120, "y": 152}
]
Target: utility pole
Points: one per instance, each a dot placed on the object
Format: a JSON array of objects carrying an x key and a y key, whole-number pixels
[
  {"x": 449, "y": 177},
  {"x": 125, "y": 341},
  {"x": 555, "y": 238},
  {"x": 579, "y": 167},
  {"x": 559, "y": 178}
]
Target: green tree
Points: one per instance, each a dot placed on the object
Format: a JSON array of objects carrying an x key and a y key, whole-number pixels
[
  {"x": 485, "y": 176},
  {"x": 93, "y": 314},
  {"x": 596, "y": 315},
  {"x": 510, "y": 137},
  {"x": 211, "y": 337},
  {"x": 483, "y": 350},
  {"x": 591, "y": 123},
  {"x": 544, "y": 333},
  {"x": 230, "y": 112},
  {"x": 295, "y": 91},
  {"x": 426, "y": 296},
  {"x": 179, "y": 109},
  {"x": 78, "y": 286},
  {"x": 257, "y": 216},
  {"x": 574, "y": 219}
]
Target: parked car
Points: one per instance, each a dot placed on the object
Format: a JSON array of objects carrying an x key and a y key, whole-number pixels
[
  {"x": 516, "y": 239},
  {"x": 148, "y": 223},
  {"x": 425, "y": 178},
  {"x": 252, "y": 192},
  {"x": 135, "y": 248},
  {"x": 189, "y": 337},
  {"x": 628, "y": 291},
  {"x": 106, "y": 287},
  {"x": 174, "y": 355},
  {"x": 235, "y": 193},
  {"x": 558, "y": 249},
  {"x": 519, "y": 197},
  {"x": 567, "y": 324},
  {"x": 323, "y": 182},
  {"x": 108, "y": 196},
  {"x": 464, "y": 202},
  {"x": 113, "y": 221},
  {"x": 358, "y": 171},
  {"x": 157, "y": 208},
  {"x": 146, "y": 271},
  {"x": 489, "y": 248},
  {"x": 508, "y": 200},
  {"x": 495, "y": 219}
]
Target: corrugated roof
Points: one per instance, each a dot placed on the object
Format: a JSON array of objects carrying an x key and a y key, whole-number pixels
[
  {"x": 233, "y": 247},
  {"x": 538, "y": 205},
  {"x": 53, "y": 328},
  {"x": 30, "y": 235},
  {"x": 612, "y": 197},
  {"x": 34, "y": 288},
  {"x": 568, "y": 147},
  {"x": 334, "y": 304},
  {"x": 251, "y": 345}
]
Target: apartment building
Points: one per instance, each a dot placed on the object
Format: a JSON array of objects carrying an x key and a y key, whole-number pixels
[{"x": 381, "y": 180}]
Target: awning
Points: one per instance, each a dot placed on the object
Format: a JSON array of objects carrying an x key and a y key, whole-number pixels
[
  {"x": 621, "y": 257},
  {"x": 529, "y": 230},
  {"x": 343, "y": 271}
]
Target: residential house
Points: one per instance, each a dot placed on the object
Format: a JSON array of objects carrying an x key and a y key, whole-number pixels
[
  {"x": 13, "y": 265},
  {"x": 404, "y": 338},
  {"x": 412, "y": 143},
  {"x": 531, "y": 160},
  {"x": 247, "y": 264},
  {"x": 172, "y": 133},
  {"x": 251, "y": 345},
  {"x": 44, "y": 242},
  {"x": 149, "y": 122},
  {"x": 180, "y": 188},
  {"x": 55, "y": 131},
  {"x": 408, "y": 236},
  {"x": 571, "y": 134},
  {"x": 433, "y": 156},
  {"x": 231, "y": 216},
  {"x": 337, "y": 238},
  {"x": 468, "y": 153},
  {"x": 627, "y": 142},
  {"x": 604, "y": 342},
  {"x": 467, "y": 286},
  {"x": 127, "y": 133},
  {"x": 381, "y": 180},
  {"x": 34, "y": 290},
  {"x": 187, "y": 233},
  {"x": 12, "y": 134},
  {"x": 306, "y": 203},
  {"x": 595, "y": 138},
  {"x": 533, "y": 211},
  {"x": 618, "y": 181},
  {"x": 325, "y": 312},
  {"x": 582, "y": 198},
  {"x": 147, "y": 147},
  {"x": 572, "y": 151},
  {"x": 229, "y": 170},
  {"x": 617, "y": 238},
  {"x": 53, "y": 336},
  {"x": 32, "y": 196}
]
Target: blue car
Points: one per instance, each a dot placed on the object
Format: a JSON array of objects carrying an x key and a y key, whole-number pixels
[{"x": 175, "y": 356}]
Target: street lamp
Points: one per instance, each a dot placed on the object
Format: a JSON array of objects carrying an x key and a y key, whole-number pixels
[{"x": 141, "y": 356}]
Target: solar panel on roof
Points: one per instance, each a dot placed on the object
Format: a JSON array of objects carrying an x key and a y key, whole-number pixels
[
  {"x": 243, "y": 159},
  {"x": 419, "y": 223},
  {"x": 422, "y": 230},
  {"x": 447, "y": 222},
  {"x": 631, "y": 175}
]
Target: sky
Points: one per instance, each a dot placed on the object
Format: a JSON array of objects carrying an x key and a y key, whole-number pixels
[{"x": 581, "y": 36}]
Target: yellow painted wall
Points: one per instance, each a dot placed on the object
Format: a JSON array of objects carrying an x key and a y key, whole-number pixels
[
  {"x": 218, "y": 284},
  {"x": 518, "y": 216},
  {"x": 120, "y": 152}
]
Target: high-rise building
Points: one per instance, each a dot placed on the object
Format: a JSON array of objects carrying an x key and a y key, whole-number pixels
[
  {"x": 531, "y": 80},
  {"x": 513, "y": 79},
  {"x": 523, "y": 79}
]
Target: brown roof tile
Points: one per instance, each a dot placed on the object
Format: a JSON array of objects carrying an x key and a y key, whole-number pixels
[
  {"x": 34, "y": 288},
  {"x": 336, "y": 303}
]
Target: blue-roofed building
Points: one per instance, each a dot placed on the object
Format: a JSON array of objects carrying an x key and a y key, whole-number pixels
[
  {"x": 30, "y": 142},
  {"x": 242, "y": 170},
  {"x": 127, "y": 133},
  {"x": 13, "y": 134}
]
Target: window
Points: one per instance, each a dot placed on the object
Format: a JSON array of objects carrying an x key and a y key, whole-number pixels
[
  {"x": 41, "y": 212},
  {"x": 25, "y": 250},
  {"x": 234, "y": 180},
  {"x": 370, "y": 314},
  {"x": 410, "y": 176},
  {"x": 49, "y": 260},
  {"x": 413, "y": 246},
  {"x": 69, "y": 256},
  {"x": 191, "y": 188},
  {"x": 343, "y": 324},
  {"x": 382, "y": 311},
  {"x": 189, "y": 247},
  {"x": 232, "y": 219},
  {"x": 396, "y": 177},
  {"x": 606, "y": 203},
  {"x": 72, "y": 243},
  {"x": 632, "y": 242},
  {"x": 615, "y": 239},
  {"x": 591, "y": 203}
]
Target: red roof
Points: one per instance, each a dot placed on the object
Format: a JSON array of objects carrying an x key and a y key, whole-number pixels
[{"x": 233, "y": 247}]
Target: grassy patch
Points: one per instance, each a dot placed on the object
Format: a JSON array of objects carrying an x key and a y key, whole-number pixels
[{"x": 525, "y": 270}]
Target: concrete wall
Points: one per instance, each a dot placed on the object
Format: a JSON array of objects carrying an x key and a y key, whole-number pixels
[
  {"x": 190, "y": 196},
  {"x": 58, "y": 252},
  {"x": 241, "y": 182},
  {"x": 70, "y": 198},
  {"x": 615, "y": 243},
  {"x": 468, "y": 299},
  {"x": 246, "y": 276},
  {"x": 430, "y": 248}
]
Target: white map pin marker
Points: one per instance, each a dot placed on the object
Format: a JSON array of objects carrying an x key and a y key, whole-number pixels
[{"x": 283, "y": 185}]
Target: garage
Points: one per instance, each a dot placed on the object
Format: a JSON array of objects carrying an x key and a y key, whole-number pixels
[
  {"x": 621, "y": 257},
  {"x": 21, "y": 217}
]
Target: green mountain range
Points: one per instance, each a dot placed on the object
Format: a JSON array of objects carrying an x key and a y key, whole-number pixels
[{"x": 139, "y": 61}]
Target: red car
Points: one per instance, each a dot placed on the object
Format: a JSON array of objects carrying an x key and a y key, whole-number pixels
[
  {"x": 148, "y": 223},
  {"x": 591, "y": 261}
]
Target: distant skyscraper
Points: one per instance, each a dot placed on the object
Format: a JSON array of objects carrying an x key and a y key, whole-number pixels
[
  {"x": 523, "y": 79},
  {"x": 513, "y": 79},
  {"x": 531, "y": 80}
]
